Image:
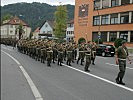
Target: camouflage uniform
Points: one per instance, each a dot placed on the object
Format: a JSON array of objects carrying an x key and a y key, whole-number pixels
[
  {"x": 60, "y": 56},
  {"x": 88, "y": 59},
  {"x": 49, "y": 56},
  {"x": 81, "y": 54},
  {"x": 122, "y": 53},
  {"x": 69, "y": 55},
  {"x": 93, "y": 50}
]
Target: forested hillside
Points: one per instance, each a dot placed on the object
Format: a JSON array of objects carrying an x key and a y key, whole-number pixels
[{"x": 34, "y": 13}]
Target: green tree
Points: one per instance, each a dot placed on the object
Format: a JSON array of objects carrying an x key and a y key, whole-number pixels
[
  {"x": 60, "y": 22},
  {"x": 7, "y": 17}
]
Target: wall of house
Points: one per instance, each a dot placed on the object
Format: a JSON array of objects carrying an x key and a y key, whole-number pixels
[
  {"x": 47, "y": 29},
  {"x": 70, "y": 33},
  {"x": 3, "y": 31},
  {"x": 8, "y": 31}
]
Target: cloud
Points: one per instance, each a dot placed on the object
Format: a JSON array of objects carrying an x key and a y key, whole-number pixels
[{"x": 52, "y": 2}]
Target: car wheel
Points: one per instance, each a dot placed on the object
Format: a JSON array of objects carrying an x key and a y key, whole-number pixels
[{"x": 103, "y": 54}]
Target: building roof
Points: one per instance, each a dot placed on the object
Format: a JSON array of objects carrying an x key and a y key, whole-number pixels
[
  {"x": 37, "y": 29},
  {"x": 51, "y": 23},
  {"x": 70, "y": 22},
  {"x": 15, "y": 21}
]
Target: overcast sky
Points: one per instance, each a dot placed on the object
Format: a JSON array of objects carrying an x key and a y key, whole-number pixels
[{"x": 52, "y": 2}]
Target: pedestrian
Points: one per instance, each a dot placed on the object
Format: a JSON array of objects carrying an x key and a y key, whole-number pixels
[{"x": 121, "y": 55}]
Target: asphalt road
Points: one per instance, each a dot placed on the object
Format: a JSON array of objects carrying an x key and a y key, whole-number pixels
[{"x": 63, "y": 82}]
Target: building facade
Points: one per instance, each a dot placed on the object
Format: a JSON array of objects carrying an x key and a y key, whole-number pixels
[
  {"x": 70, "y": 31},
  {"x": 105, "y": 19},
  {"x": 36, "y": 33},
  {"x": 9, "y": 28},
  {"x": 47, "y": 29}
]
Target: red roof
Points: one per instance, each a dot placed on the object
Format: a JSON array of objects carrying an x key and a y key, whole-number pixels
[
  {"x": 16, "y": 21},
  {"x": 71, "y": 22},
  {"x": 37, "y": 29}
]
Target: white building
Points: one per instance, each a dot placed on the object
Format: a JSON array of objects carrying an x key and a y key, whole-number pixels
[
  {"x": 36, "y": 33},
  {"x": 47, "y": 30},
  {"x": 9, "y": 28},
  {"x": 70, "y": 31}
]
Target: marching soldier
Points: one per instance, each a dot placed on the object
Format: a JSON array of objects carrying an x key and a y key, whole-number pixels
[
  {"x": 49, "y": 56},
  {"x": 55, "y": 53},
  {"x": 93, "y": 50},
  {"x": 43, "y": 54},
  {"x": 60, "y": 55},
  {"x": 88, "y": 59},
  {"x": 69, "y": 55},
  {"x": 81, "y": 54},
  {"x": 121, "y": 55}
]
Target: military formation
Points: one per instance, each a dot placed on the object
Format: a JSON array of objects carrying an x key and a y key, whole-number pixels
[{"x": 50, "y": 51}]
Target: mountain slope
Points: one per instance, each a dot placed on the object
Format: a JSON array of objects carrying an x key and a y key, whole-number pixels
[{"x": 34, "y": 13}]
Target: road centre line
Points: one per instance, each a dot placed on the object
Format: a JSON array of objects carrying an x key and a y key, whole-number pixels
[
  {"x": 34, "y": 89},
  {"x": 118, "y": 65},
  {"x": 100, "y": 78}
]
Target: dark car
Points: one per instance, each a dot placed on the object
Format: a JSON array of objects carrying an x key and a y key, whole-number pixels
[{"x": 105, "y": 50}]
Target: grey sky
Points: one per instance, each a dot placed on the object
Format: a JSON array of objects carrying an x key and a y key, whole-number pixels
[{"x": 52, "y": 2}]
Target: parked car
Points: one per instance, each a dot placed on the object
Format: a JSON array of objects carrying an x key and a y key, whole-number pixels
[{"x": 105, "y": 50}]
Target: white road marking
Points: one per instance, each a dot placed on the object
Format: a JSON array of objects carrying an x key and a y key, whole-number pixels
[
  {"x": 118, "y": 65},
  {"x": 34, "y": 89},
  {"x": 100, "y": 78}
]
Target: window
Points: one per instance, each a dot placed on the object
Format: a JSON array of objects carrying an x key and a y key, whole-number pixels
[
  {"x": 123, "y": 2},
  {"x": 124, "y": 35},
  {"x": 105, "y": 3},
  {"x": 125, "y": 17},
  {"x": 83, "y": 10},
  {"x": 11, "y": 32},
  {"x": 49, "y": 32},
  {"x": 94, "y": 36},
  {"x": 114, "y": 3},
  {"x": 105, "y": 19},
  {"x": 96, "y": 4},
  {"x": 104, "y": 36},
  {"x": 46, "y": 25},
  {"x": 96, "y": 20},
  {"x": 132, "y": 18},
  {"x": 114, "y": 19},
  {"x": 112, "y": 36},
  {"x": 131, "y": 37}
]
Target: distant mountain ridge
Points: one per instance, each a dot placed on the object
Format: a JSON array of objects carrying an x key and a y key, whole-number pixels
[{"x": 34, "y": 14}]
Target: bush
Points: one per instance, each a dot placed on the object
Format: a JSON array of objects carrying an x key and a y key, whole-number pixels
[{"x": 117, "y": 42}]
